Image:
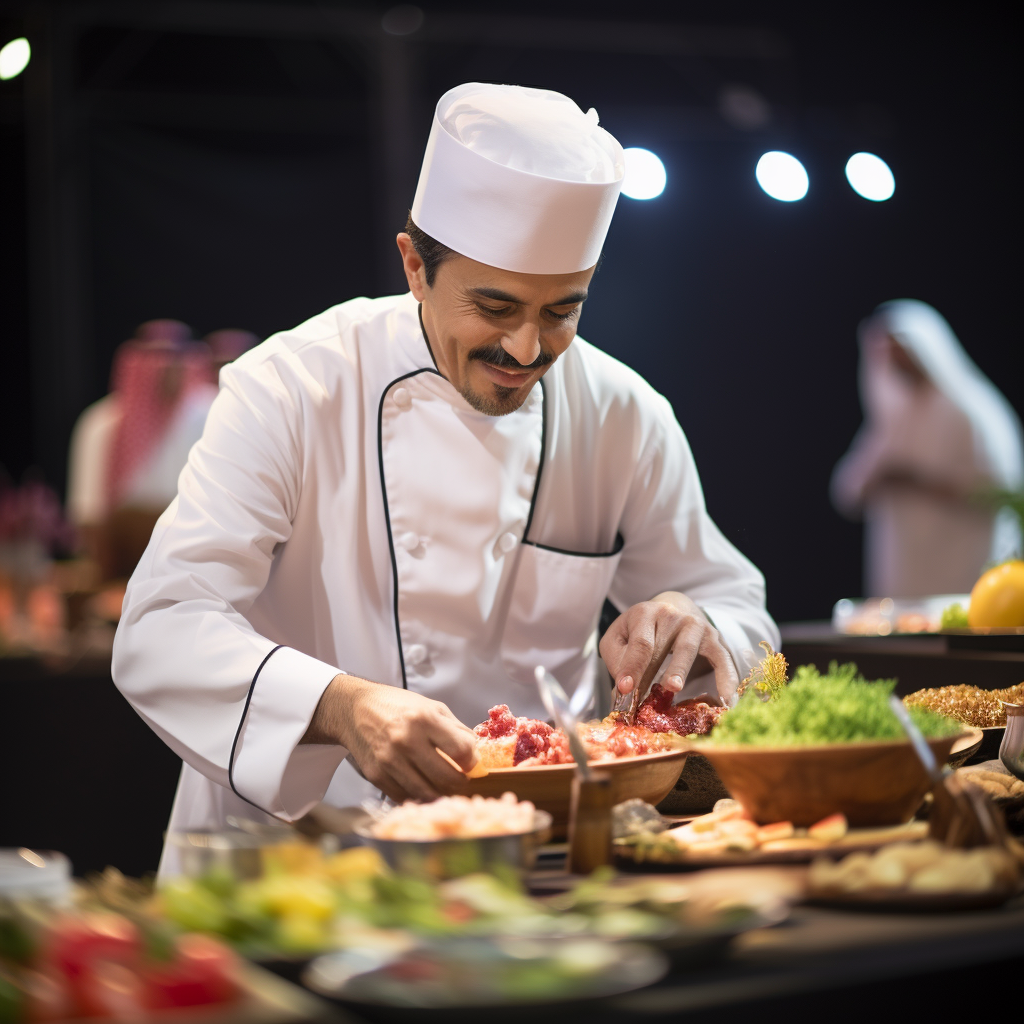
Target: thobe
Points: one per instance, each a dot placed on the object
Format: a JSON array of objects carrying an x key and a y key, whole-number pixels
[
  {"x": 953, "y": 430},
  {"x": 347, "y": 510},
  {"x": 154, "y": 483}
]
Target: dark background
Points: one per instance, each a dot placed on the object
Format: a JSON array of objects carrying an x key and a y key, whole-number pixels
[{"x": 248, "y": 164}]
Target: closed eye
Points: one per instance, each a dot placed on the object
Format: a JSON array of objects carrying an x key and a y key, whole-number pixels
[
  {"x": 494, "y": 312},
  {"x": 571, "y": 315}
]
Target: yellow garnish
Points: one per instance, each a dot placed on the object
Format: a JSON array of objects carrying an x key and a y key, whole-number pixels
[{"x": 768, "y": 677}]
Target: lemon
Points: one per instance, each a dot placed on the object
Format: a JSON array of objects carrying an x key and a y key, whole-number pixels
[{"x": 998, "y": 597}]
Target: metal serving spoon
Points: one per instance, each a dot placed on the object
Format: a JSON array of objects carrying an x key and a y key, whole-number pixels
[{"x": 557, "y": 704}]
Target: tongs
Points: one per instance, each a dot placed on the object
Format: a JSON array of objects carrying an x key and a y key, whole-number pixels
[
  {"x": 590, "y": 805},
  {"x": 961, "y": 816},
  {"x": 628, "y": 704},
  {"x": 557, "y": 704}
]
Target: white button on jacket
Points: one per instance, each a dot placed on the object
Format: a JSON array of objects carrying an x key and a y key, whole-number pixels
[
  {"x": 281, "y": 560},
  {"x": 416, "y": 655},
  {"x": 507, "y": 541}
]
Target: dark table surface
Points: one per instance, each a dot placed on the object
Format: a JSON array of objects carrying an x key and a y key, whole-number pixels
[
  {"x": 821, "y": 963},
  {"x": 916, "y": 660},
  {"x": 934, "y": 962}
]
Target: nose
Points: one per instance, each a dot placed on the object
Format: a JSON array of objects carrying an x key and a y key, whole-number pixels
[{"x": 523, "y": 344}]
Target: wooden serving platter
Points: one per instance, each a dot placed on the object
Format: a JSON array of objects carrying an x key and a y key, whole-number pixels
[
  {"x": 902, "y": 900},
  {"x": 866, "y": 839}
]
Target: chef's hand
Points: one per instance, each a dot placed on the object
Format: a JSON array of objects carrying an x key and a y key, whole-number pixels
[
  {"x": 394, "y": 737},
  {"x": 668, "y": 626}
]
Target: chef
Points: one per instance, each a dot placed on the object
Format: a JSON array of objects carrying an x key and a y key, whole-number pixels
[{"x": 401, "y": 507}]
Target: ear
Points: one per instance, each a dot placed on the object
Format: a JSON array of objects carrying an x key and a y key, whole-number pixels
[{"x": 415, "y": 272}]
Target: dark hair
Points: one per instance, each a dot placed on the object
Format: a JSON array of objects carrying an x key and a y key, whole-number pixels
[{"x": 430, "y": 250}]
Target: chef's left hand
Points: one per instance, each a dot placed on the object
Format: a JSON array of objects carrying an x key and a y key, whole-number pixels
[{"x": 668, "y": 626}]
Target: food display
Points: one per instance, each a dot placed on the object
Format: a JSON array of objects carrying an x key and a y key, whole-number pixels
[
  {"x": 456, "y": 817},
  {"x": 971, "y": 705},
  {"x": 995, "y": 603},
  {"x": 506, "y": 741},
  {"x": 352, "y": 900},
  {"x": 95, "y": 963},
  {"x": 489, "y": 972},
  {"x": 825, "y": 744},
  {"x": 838, "y": 707},
  {"x": 1001, "y": 786},
  {"x": 885, "y": 616},
  {"x": 954, "y": 616},
  {"x": 583, "y": 942},
  {"x": 727, "y": 830},
  {"x": 291, "y": 910},
  {"x": 921, "y": 868}
]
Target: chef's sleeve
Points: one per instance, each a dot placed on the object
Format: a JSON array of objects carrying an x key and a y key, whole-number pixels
[
  {"x": 232, "y": 703},
  {"x": 671, "y": 543}
]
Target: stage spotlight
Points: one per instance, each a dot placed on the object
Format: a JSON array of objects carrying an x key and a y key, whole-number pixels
[
  {"x": 782, "y": 176},
  {"x": 869, "y": 176},
  {"x": 645, "y": 174},
  {"x": 14, "y": 58}
]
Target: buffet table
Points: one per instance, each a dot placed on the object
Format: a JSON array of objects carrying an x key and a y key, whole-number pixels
[
  {"x": 84, "y": 774},
  {"x": 846, "y": 964},
  {"x": 870, "y": 958}
]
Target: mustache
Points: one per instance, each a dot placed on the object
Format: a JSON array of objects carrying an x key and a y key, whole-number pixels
[{"x": 495, "y": 355}]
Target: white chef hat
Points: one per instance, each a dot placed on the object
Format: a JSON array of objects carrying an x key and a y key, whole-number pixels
[{"x": 519, "y": 179}]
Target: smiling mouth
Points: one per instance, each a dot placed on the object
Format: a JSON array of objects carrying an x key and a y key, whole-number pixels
[{"x": 505, "y": 378}]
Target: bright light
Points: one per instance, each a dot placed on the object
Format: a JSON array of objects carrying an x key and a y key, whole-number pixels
[
  {"x": 14, "y": 58},
  {"x": 869, "y": 176},
  {"x": 645, "y": 175},
  {"x": 782, "y": 176}
]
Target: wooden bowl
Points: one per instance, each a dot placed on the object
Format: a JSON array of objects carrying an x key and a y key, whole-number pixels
[
  {"x": 871, "y": 783},
  {"x": 548, "y": 786},
  {"x": 697, "y": 790}
]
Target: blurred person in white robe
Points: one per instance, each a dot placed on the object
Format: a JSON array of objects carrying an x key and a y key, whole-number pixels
[
  {"x": 937, "y": 435},
  {"x": 128, "y": 448}
]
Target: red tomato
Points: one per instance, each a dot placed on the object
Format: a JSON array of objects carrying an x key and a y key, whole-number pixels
[
  {"x": 112, "y": 991},
  {"x": 73, "y": 943},
  {"x": 203, "y": 972}
]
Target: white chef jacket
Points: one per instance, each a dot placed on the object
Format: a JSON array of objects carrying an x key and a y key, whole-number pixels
[{"x": 346, "y": 509}]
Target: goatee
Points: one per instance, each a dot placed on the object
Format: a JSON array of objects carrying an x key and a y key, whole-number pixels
[{"x": 500, "y": 403}]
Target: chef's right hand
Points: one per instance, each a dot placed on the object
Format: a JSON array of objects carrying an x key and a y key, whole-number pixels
[{"x": 394, "y": 736}]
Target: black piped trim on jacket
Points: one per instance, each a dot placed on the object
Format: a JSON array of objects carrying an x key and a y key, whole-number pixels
[
  {"x": 238, "y": 732},
  {"x": 384, "y": 496},
  {"x": 543, "y": 454},
  {"x": 384, "y": 488},
  {"x": 619, "y": 542}
]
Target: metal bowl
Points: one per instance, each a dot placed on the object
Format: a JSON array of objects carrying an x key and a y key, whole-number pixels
[
  {"x": 648, "y": 777},
  {"x": 435, "y": 860},
  {"x": 201, "y": 851}
]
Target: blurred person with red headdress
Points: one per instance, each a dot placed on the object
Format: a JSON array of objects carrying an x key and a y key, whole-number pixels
[
  {"x": 128, "y": 448},
  {"x": 227, "y": 344}
]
